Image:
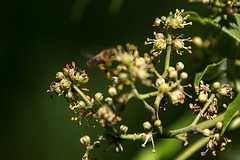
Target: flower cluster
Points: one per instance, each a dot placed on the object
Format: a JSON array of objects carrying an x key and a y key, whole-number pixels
[
  {"x": 106, "y": 114},
  {"x": 173, "y": 88},
  {"x": 124, "y": 67},
  {"x": 173, "y": 20},
  {"x": 82, "y": 110},
  {"x": 86, "y": 142},
  {"x": 220, "y": 7},
  {"x": 216, "y": 141},
  {"x": 130, "y": 66},
  {"x": 164, "y": 25},
  {"x": 71, "y": 75},
  {"x": 212, "y": 104}
]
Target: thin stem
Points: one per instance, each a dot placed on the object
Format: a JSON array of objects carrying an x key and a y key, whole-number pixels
[
  {"x": 141, "y": 98},
  {"x": 147, "y": 95},
  {"x": 130, "y": 96},
  {"x": 157, "y": 103},
  {"x": 157, "y": 74},
  {"x": 168, "y": 56},
  {"x": 211, "y": 123},
  {"x": 148, "y": 107},
  {"x": 195, "y": 121},
  {"x": 130, "y": 136},
  {"x": 192, "y": 126},
  {"x": 82, "y": 95},
  {"x": 186, "y": 129}
]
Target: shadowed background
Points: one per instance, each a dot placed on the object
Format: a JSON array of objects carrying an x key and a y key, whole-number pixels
[{"x": 37, "y": 39}]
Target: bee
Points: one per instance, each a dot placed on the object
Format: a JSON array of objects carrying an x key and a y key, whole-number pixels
[{"x": 103, "y": 59}]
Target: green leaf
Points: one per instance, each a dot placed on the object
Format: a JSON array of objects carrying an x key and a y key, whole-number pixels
[
  {"x": 230, "y": 24},
  {"x": 193, "y": 16},
  {"x": 211, "y": 72},
  {"x": 234, "y": 28},
  {"x": 231, "y": 111}
]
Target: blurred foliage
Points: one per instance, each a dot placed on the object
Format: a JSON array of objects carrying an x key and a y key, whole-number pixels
[{"x": 38, "y": 37}]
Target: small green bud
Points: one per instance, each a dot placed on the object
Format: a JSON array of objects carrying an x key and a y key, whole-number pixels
[
  {"x": 223, "y": 91},
  {"x": 160, "y": 81},
  {"x": 123, "y": 76},
  {"x": 219, "y": 125},
  {"x": 126, "y": 59},
  {"x": 197, "y": 41},
  {"x": 179, "y": 66},
  {"x": 159, "y": 36},
  {"x": 183, "y": 75},
  {"x": 109, "y": 101},
  {"x": 69, "y": 94},
  {"x": 216, "y": 85},
  {"x": 65, "y": 71},
  {"x": 173, "y": 74},
  {"x": 217, "y": 136},
  {"x": 72, "y": 74},
  {"x": 123, "y": 129},
  {"x": 85, "y": 140},
  {"x": 206, "y": 132},
  {"x": 142, "y": 74},
  {"x": 82, "y": 104},
  {"x": 60, "y": 75},
  {"x": 203, "y": 97},
  {"x": 65, "y": 83},
  {"x": 163, "y": 18},
  {"x": 171, "y": 69},
  {"x": 112, "y": 91},
  {"x": 83, "y": 79},
  {"x": 58, "y": 90},
  {"x": 157, "y": 22},
  {"x": 157, "y": 123},
  {"x": 147, "y": 126},
  {"x": 99, "y": 96},
  {"x": 140, "y": 61}
]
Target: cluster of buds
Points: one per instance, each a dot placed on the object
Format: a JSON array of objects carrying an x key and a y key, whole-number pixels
[
  {"x": 173, "y": 88},
  {"x": 84, "y": 111},
  {"x": 164, "y": 25},
  {"x": 203, "y": 90},
  {"x": 107, "y": 114},
  {"x": 173, "y": 21},
  {"x": 86, "y": 142},
  {"x": 216, "y": 141},
  {"x": 70, "y": 75},
  {"x": 220, "y": 7},
  {"x": 130, "y": 66}
]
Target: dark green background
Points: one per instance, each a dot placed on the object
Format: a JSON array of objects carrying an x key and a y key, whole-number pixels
[{"x": 37, "y": 39}]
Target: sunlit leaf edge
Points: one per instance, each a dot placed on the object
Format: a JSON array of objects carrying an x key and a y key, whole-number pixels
[
  {"x": 231, "y": 111},
  {"x": 199, "y": 75}
]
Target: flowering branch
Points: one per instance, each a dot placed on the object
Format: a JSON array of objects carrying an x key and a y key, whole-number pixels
[{"x": 168, "y": 88}]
